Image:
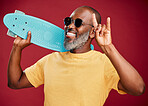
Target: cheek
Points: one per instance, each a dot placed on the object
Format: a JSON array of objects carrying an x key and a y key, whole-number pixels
[
  {"x": 82, "y": 30},
  {"x": 79, "y": 30}
]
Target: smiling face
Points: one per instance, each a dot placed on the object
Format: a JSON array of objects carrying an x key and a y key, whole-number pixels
[{"x": 77, "y": 37}]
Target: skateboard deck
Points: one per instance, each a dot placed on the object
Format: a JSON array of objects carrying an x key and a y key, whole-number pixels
[{"x": 43, "y": 33}]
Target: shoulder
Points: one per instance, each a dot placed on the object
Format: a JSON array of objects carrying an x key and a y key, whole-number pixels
[
  {"x": 98, "y": 54},
  {"x": 47, "y": 57}
]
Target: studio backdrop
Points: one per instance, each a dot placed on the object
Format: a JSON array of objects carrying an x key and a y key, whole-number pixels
[{"x": 129, "y": 25}]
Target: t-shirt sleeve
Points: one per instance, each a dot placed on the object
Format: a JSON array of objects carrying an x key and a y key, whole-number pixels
[
  {"x": 35, "y": 73},
  {"x": 111, "y": 76}
]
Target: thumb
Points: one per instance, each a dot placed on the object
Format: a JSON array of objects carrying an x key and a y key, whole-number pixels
[{"x": 29, "y": 36}]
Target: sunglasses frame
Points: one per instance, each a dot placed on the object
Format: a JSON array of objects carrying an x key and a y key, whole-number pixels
[{"x": 71, "y": 20}]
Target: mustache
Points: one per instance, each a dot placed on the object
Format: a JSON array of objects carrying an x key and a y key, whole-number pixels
[{"x": 70, "y": 30}]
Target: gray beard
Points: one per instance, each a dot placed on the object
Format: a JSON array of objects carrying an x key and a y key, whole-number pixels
[{"x": 77, "y": 43}]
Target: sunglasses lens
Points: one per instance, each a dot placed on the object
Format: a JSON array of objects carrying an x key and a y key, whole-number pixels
[
  {"x": 78, "y": 22},
  {"x": 67, "y": 21}
]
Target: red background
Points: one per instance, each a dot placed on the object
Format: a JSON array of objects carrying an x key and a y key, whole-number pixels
[{"x": 129, "y": 22}]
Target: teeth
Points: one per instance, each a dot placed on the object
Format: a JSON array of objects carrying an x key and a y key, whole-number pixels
[{"x": 71, "y": 34}]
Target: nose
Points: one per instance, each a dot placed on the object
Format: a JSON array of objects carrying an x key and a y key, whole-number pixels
[{"x": 71, "y": 26}]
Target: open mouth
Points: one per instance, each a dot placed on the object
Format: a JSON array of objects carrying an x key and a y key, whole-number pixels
[{"x": 71, "y": 34}]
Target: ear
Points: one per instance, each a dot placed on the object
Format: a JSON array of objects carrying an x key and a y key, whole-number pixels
[{"x": 92, "y": 33}]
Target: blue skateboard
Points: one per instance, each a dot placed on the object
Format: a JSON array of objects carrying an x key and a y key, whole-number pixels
[{"x": 43, "y": 33}]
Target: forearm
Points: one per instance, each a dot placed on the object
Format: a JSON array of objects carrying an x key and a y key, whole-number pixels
[
  {"x": 129, "y": 77},
  {"x": 14, "y": 68}
]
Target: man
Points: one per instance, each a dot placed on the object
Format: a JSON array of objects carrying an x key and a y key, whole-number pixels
[{"x": 80, "y": 77}]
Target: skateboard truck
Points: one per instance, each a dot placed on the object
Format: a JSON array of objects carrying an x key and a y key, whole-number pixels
[{"x": 9, "y": 32}]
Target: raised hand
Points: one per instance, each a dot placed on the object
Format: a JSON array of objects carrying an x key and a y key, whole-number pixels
[
  {"x": 22, "y": 43},
  {"x": 102, "y": 32}
]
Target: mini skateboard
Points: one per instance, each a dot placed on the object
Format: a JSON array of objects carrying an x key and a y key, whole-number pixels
[{"x": 43, "y": 33}]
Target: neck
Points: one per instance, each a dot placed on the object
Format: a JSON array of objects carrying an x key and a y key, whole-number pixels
[{"x": 83, "y": 49}]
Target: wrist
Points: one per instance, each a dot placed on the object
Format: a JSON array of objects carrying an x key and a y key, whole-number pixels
[
  {"x": 108, "y": 49},
  {"x": 16, "y": 48}
]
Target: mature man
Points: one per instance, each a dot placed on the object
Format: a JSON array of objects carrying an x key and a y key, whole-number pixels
[{"x": 80, "y": 77}]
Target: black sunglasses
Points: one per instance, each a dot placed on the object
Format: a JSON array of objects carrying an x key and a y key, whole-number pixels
[{"x": 77, "y": 22}]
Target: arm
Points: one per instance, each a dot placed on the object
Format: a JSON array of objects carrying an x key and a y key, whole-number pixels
[
  {"x": 130, "y": 80},
  {"x": 16, "y": 77}
]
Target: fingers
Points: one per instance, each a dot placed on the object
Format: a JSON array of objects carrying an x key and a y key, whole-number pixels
[
  {"x": 18, "y": 39},
  {"x": 98, "y": 28},
  {"x": 106, "y": 27},
  {"x": 95, "y": 24},
  {"x": 29, "y": 36},
  {"x": 103, "y": 30},
  {"x": 108, "y": 24},
  {"x": 22, "y": 43}
]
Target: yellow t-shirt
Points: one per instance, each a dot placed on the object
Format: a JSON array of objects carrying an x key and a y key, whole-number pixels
[{"x": 74, "y": 79}]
